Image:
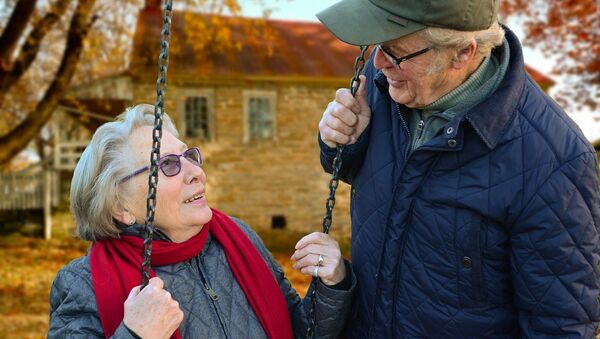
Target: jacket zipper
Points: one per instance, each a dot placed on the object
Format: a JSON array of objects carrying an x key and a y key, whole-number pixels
[
  {"x": 420, "y": 128},
  {"x": 398, "y": 264},
  {"x": 403, "y": 121},
  {"x": 409, "y": 218},
  {"x": 212, "y": 294},
  {"x": 389, "y": 213},
  {"x": 404, "y": 237}
]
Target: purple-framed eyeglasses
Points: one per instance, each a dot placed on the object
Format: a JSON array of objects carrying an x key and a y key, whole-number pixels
[
  {"x": 170, "y": 164},
  {"x": 398, "y": 61}
]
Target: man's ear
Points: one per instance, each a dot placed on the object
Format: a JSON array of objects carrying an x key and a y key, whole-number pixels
[
  {"x": 464, "y": 56},
  {"x": 124, "y": 217}
]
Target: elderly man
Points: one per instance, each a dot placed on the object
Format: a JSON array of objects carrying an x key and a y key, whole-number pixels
[{"x": 475, "y": 204}]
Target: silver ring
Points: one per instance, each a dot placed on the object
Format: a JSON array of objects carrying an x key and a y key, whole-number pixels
[
  {"x": 316, "y": 272},
  {"x": 320, "y": 261}
]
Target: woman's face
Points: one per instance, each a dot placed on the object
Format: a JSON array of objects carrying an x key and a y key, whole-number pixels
[{"x": 181, "y": 204}]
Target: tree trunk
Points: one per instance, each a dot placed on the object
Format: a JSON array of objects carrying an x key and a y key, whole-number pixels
[{"x": 18, "y": 138}]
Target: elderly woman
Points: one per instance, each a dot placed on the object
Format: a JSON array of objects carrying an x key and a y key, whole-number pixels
[{"x": 213, "y": 276}]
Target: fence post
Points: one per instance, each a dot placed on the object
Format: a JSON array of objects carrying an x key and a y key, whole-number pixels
[{"x": 47, "y": 202}]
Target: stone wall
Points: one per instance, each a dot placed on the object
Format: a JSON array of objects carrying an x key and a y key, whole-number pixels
[{"x": 259, "y": 180}]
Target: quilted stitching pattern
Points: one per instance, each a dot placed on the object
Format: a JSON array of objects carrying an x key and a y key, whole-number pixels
[{"x": 477, "y": 241}]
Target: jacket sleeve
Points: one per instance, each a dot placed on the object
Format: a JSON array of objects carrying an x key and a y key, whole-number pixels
[
  {"x": 352, "y": 156},
  {"x": 73, "y": 310},
  {"x": 332, "y": 305},
  {"x": 555, "y": 254}
]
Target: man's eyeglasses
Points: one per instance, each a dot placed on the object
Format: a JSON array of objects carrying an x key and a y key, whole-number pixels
[
  {"x": 398, "y": 61},
  {"x": 170, "y": 164}
]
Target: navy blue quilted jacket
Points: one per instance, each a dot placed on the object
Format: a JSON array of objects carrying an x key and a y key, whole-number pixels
[{"x": 489, "y": 230}]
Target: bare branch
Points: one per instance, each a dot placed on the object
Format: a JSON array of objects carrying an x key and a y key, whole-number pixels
[
  {"x": 32, "y": 44},
  {"x": 17, "y": 139}
]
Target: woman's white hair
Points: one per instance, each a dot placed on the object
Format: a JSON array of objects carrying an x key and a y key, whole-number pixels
[
  {"x": 96, "y": 189},
  {"x": 455, "y": 40}
]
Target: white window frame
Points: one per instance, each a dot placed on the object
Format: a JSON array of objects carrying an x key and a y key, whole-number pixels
[
  {"x": 267, "y": 94},
  {"x": 209, "y": 94}
]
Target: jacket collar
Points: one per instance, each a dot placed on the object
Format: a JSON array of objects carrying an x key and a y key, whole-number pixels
[{"x": 490, "y": 117}]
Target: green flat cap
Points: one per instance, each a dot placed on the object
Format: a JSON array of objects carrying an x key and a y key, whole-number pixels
[{"x": 368, "y": 22}]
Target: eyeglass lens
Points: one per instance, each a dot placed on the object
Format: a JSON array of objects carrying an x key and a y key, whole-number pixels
[
  {"x": 193, "y": 155},
  {"x": 171, "y": 164}
]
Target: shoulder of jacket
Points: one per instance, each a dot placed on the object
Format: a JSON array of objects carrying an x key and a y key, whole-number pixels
[
  {"x": 253, "y": 236},
  {"x": 73, "y": 280},
  {"x": 548, "y": 118},
  {"x": 77, "y": 267},
  {"x": 245, "y": 228}
]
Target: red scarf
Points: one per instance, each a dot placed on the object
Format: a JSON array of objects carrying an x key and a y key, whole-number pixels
[{"x": 116, "y": 266}]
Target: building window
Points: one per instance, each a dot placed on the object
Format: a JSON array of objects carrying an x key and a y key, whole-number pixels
[
  {"x": 259, "y": 108},
  {"x": 197, "y": 118}
]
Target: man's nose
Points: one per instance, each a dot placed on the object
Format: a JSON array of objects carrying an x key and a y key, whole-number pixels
[{"x": 381, "y": 61}]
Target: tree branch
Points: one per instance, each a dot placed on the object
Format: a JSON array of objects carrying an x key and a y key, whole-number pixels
[
  {"x": 18, "y": 138},
  {"x": 12, "y": 32},
  {"x": 32, "y": 44}
]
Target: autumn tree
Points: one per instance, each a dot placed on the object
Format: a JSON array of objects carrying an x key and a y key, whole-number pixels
[
  {"x": 41, "y": 46},
  {"x": 569, "y": 31},
  {"x": 46, "y": 46}
]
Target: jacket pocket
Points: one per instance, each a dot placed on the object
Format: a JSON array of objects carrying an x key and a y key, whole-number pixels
[{"x": 469, "y": 259}]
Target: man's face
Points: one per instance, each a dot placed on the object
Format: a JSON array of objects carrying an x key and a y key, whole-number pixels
[{"x": 418, "y": 81}]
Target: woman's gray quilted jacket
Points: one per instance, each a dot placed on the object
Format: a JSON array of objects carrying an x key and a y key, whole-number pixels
[{"x": 227, "y": 314}]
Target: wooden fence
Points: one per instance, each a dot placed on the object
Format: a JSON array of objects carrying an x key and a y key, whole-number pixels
[
  {"x": 30, "y": 189},
  {"x": 22, "y": 190}
]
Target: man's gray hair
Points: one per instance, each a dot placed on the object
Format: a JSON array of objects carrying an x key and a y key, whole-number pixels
[
  {"x": 96, "y": 189},
  {"x": 486, "y": 39}
]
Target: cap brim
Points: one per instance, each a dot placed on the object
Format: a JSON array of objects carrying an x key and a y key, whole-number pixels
[{"x": 359, "y": 22}]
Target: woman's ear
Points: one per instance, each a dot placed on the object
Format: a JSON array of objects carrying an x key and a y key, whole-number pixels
[
  {"x": 124, "y": 217},
  {"x": 464, "y": 56}
]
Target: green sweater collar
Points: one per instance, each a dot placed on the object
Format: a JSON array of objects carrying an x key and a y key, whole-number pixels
[{"x": 464, "y": 93}]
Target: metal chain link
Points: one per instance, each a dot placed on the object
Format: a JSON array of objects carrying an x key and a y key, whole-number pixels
[
  {"x": 161, "y": 89},
  {"x": 359, "y": 64}
]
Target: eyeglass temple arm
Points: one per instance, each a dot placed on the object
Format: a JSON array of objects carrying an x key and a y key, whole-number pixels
[{"x": 145, "y": 168}]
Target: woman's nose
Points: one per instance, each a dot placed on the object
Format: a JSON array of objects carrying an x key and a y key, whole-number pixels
[{"x": 192, "y": 173}]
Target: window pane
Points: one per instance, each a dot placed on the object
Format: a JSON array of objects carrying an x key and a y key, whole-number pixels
[
  {"x": 197, "y": 118},
  {"x": 260, "y": 118}
]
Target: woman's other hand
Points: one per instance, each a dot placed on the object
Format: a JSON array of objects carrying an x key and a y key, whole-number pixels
[
  {"x": 152, "y": 313},
  {"x": 332, "y": 269}
]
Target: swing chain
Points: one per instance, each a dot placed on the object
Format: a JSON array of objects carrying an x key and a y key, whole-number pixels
[
  {"x": 161, "y": 89},
  {"x": 359, "y": 64}
]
